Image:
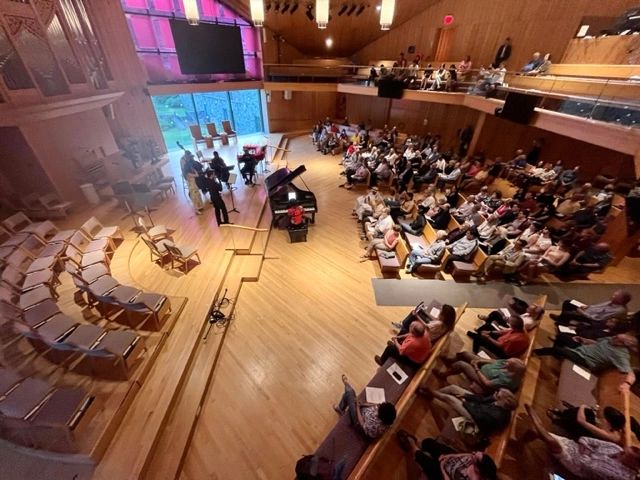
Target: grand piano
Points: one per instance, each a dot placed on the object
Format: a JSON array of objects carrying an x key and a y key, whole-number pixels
[{"x": 282, "y": 193}]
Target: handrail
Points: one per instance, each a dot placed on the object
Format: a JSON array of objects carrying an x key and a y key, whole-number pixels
[{"x": 243, "y": 227}]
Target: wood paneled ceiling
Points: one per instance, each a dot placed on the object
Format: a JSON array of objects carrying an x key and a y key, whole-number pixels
[{"x": 349, "y": 32}]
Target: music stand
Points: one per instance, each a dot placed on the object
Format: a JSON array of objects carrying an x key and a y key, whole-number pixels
[{"x": 232, "y": 179}]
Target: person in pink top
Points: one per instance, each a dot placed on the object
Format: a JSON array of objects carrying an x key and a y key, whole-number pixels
[{"x": 412, "y": 348}]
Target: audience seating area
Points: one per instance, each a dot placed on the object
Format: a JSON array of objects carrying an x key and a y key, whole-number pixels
[{"x": 107, "y": 342}]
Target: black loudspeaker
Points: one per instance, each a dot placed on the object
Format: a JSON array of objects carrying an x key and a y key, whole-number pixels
[
  {"x": 518, "y": 107},
  {"x": 390, "y": 88}
]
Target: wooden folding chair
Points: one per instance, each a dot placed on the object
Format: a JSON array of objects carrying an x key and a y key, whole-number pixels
[
  {"x": 213, "y": 133},
  {"x": 182, "y": 255},
  {"x": 226, "y": 126},
  {"x": 196, "y": 134}
]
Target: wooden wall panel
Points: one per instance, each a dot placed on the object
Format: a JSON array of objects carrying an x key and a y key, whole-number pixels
[
  {"x": 301, "y": 112},
  {"x": 481, "y": 26},
  {"x": 502, "y": 138},
  {"x": 372, "y": 111},
  {"x": 275, "y": 49}
]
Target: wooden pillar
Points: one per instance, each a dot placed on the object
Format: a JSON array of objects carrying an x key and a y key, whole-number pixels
[
  {"x": 477, "y": 131},
  {"x": 636, "y": 164}
]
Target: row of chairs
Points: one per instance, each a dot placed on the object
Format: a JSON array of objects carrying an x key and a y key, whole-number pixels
[
  {"x": 196, "y": 133},
  {"x": 36, "y": 414},
  {"x": 39, "y": 206}
]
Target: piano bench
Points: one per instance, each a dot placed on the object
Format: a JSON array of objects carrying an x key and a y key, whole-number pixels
[{"x": 298, "y": 233}]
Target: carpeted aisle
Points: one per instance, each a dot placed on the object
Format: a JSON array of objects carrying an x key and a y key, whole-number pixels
[{"x": 409, "y": 292}]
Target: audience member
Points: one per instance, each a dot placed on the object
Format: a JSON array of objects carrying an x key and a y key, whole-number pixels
[
  {"x": 430, "y": 255},
  {"x": 412, "y": 348},
  {"x": 486, "y": 375},
  {"x": 574, "y": 312},
  {"x": 507, "y": 343}
]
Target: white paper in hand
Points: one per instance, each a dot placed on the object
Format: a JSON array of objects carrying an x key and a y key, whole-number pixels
[
  {"x": 564, "y": 329},
  {"x": 397, "y": 373},
  {"x": 483, "y": 354},
  {"x": 435, "y": 312},
  {"x": 505, "y": 312},
  {"x": 458, "y": 422},
  {"x": 578, "y": 304},
  {"x": 582, "y": 372},
  {"x": 374, "y": 395}
]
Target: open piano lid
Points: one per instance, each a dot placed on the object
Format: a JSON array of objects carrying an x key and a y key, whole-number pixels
[{"x": 282, "y": 176}]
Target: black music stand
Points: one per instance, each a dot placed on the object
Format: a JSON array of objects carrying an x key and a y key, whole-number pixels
[{"x": 232, "y": 179}]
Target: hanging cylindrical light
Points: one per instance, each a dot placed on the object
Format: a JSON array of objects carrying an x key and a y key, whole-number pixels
[
  {"x": 322, "y": 13},
  {"x": 191, "y": 11},
  {"x": 257, "y": 12},
  {"x": 386, "y": 14}
]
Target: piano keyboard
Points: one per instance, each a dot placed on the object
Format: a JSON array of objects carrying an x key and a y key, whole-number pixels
[{"x": 306, "y": 209}]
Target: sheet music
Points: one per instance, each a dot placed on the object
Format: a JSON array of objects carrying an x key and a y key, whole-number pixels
[
  {"x": 582, "y": 372},
  {"x": 374, "y": 395},
  {"x": 397, "y": 373},
  {"x": 564, "y": 329},
  {"x": 577, "y": 303},
  {"x": 483, "y": 354},
  {"x": 434, "y": 312}
]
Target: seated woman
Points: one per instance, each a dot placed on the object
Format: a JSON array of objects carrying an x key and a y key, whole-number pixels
[
  {"x": 553, "y": 258},
  {"x": 357, "y": 175},
  {"x": 373, "y": 420},
  {"x": 412, "y": 348},
  {"x": 486, "y": 375},
  {"x": 387, "y": 243},
  {"x": 416, "y": 227},
  {"x": 430, "y": 255},
  {"x": 589, "y": 457},
  {"x": 436, "y": 327},
  {"x": 441, "y": 462},
  {"x": 531, "y": 315},
  {"x": 376, "y": 228},
  {"x": 583, "y": 421}
]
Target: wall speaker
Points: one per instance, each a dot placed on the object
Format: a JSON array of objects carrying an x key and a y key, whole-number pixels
[{"x": 518, "y": 107}]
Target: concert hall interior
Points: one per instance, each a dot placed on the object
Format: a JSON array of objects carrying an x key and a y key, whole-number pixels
[{"x": 319, "y": 239}]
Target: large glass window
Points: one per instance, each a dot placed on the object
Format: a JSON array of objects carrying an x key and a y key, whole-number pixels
[{"x": 177, "y": 112}]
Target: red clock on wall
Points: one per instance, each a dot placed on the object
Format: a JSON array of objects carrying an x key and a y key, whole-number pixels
[{"x": 448, "y": 19}]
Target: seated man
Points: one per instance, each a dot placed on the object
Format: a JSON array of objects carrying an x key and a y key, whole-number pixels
[
  {"x": 534, "y": 63},
  {"x": 498, "y": 319},
  {"x": 555, "y": 257},
  {"x": 594, "y": 259},
  {"x": 486, "y": 375},
  {"x": 439, "y": 461},
  {"x": 462, "y": 249},
  {"x": 507, "y": 262},
  {"x": 430, "y": 255},
  {"x": 573, "y": 312},
  {"x": 436, "y": 327},
  {"x": 416, "y": 227},
  {"x": 440, "y": 219},
  {"x": 220, "y": 168},
  {"x": 508, "y": 343},
  {"x": 600, "y": 355},
  {"x": 377, "y": 228},
  {"x": 490, "y": 413},
  {"x": 248, "y": 170},
  {"x": 373, "y": 420},
  {"x": 412, "y": 348}
]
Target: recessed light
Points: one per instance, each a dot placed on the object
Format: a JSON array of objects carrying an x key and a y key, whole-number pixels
[
  {"x": 328, "y": 42},
  {"x": 378, "y": 7}
]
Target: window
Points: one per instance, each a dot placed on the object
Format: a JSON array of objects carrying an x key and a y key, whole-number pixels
[{"x": 177, "y": 112}]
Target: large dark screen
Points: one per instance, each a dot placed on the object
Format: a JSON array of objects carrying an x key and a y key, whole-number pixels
[{"x": 208, "y": 48}]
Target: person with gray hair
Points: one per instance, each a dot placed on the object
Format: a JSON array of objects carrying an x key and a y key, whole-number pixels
[
  {"x": 430, "y": 255},
  {"x": 412, "y": 348}
]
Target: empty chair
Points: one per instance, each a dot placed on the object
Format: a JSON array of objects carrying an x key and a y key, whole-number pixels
[
  {"x": 21, "y": 401},
  {"x": 17, "y": 222},
  {"x": 115, "y": 355},
  {"x": 155, "y": 233},
  {"x": 226, "y": 126},
  {"x": 21, "y": 282},
  {"x": 89, "y": 274},
  {"x": 158, "y": 251},
  {"x": 11, "y": 239},
  {"x": 99, "y": 287},
  {"x": 8, "y": 380},
  {"x": 25, "y": 263},
  {"x": 84, "y": 245},
  {"x": 182, "y": 255},
  {"x": 32, "y": 297},
  {"x": 54, "y": 206},
  {"x": 147, "y": 311},
  {"x": 161, "y": 178},
  {"x": 94, "y": 230},
  {"x": 82, "y": 261},
  {"x": 47, "y": 231},
  {"x": 33, "y": 245},
  {"x": 211, "y": 130},
  {"x": 40, "y": 313},
  {"x": 196, "y": 134}
]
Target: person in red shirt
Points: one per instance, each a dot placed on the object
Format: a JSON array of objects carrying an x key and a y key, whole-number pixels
[
  {"x": 296, "y": 215},
  {"x": 508, "y": 343},
  {"x": 412, "y": 348}
]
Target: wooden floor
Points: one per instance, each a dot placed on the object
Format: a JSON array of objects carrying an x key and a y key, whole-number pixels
[{"x": 256, "y": 396}]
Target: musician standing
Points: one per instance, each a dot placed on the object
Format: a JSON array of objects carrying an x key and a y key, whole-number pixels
[
  {"x": 191, "y": 172},
  {"x": 214, "y": 187}
]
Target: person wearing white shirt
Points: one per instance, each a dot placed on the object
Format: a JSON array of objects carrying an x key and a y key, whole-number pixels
[{"x": 378, "y": 228}]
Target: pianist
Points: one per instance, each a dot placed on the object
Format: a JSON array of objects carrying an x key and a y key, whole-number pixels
[{"x": 296, "y": 215}]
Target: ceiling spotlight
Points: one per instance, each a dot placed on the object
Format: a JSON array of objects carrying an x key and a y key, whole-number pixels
[
  {"x": 378, "y": 7},
  {"x": 360, "y": 9},
  {"x": 294, "y": 8},
  {"x": 329, "y": 42},
  {"x": 352, "y": 9},
  {"x": 285, "y": 7},
  {"x": 309, "y": 12},
  {"x": 343, "y": 9},
  {"x": 322, "y": 13},
  {"x": 386, "y": 14}
]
